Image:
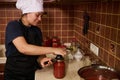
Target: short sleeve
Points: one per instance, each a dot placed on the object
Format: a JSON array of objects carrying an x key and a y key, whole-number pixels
[{"x": 13, "y": 30}]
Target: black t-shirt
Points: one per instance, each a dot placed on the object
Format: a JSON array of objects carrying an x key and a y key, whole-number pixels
[
  {"x": 15, "y": 29},
  {"x": 18, "y": 63}
]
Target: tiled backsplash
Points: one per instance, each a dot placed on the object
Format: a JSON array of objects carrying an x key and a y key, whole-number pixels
[
  {"x": 104, "y": 29},
  {"x": 66, "y": 22}
]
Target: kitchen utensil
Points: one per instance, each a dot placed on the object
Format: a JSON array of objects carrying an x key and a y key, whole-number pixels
[{"x": 98, "y": 72}]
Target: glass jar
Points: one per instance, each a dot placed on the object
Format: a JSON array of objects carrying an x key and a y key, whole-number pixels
[{"x": 59, "y": 67}]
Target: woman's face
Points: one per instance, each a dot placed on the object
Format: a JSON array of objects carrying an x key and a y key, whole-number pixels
[{"x": 34, "y": 18}]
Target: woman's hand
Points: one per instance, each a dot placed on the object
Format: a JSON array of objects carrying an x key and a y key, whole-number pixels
[
  {"x": 46, "y": 62},
  {"x": 59, "y": 51}
]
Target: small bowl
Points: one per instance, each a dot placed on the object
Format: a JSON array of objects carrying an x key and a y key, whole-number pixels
[{"x": 98, "y": 72}]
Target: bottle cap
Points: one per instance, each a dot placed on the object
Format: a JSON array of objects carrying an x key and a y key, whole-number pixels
[{"x": 59, "y": 57}]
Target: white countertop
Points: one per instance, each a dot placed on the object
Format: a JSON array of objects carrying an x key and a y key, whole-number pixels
[
  {"x": 71, "y": 71},
  {"x": 2, "y": 60}
]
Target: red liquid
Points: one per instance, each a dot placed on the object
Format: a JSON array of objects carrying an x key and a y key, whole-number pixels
[{"x": 59, "y": 69}]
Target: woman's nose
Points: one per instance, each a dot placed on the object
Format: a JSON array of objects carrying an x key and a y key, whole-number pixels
[{"x": 39, "y": 18}]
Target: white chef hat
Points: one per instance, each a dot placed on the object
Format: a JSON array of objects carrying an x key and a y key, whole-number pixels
[{"x": 27, "y": 6}]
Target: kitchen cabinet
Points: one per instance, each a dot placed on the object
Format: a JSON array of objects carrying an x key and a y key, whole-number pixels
[{"x": 2, "y": 71}]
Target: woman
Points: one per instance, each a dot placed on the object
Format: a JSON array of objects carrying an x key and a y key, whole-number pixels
[{"x": 23, "y": 43}]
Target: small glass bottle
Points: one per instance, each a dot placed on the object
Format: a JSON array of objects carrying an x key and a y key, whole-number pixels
[
  {"x": 78, "y": 55},
  {"x": 59, "y": 67}
]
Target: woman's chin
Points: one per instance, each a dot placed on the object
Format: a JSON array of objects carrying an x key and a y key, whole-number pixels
[{"x": 34, "y": 24}]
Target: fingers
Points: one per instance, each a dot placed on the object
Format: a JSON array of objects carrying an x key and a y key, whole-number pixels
[
  {"x": 64, "y": 51},
  {"x": 46, "y": 62},
  {"x": 61, "y": 51}
]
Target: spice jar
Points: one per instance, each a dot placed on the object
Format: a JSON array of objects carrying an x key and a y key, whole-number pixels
[{"x": 59, "y": 67}]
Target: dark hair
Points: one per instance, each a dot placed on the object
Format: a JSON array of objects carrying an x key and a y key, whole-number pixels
[{"x": 23, "y": 15}]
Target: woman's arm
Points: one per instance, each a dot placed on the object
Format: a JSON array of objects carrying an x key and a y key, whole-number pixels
[{"x": 28, "y": 49}]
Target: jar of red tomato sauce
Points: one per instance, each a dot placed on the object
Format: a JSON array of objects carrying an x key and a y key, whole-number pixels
[{"x": 59, "y": 67}]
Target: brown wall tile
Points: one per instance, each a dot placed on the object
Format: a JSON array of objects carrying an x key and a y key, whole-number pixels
[
  {"x": 103, "y": 19},
  {"x": 114, "y": 21},
  {"x": 118, "y": 37},
  {"x": 108, "y": 19},
  {"x": 113, "y": 34},
  {"x": 118, "y": 51},
  {"x": 117, "y": 65},
  {"x": 115, "y": 8},
  {"x": 118, "y": 22},
  {"x": 107, "y": 32},
  {"x": 112, "y": 61}
]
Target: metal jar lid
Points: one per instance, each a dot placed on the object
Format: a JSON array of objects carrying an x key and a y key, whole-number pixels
[{"x": 59, "y": 58}]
